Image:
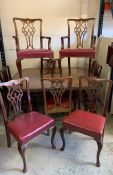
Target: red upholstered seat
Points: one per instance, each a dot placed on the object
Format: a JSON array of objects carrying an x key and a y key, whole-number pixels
[
  {"x": 28, "y": 125},
  {"x": 85, "y": 122},
  {"x": 34, "y": 53},
  {"x": 77, "y": 52}
]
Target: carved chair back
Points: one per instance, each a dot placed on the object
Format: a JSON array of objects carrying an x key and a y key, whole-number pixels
[
  {"x": 14, "y": 96},
  {"x": 96, "y": 96},
  {"x": 96, "y": 69},
  {"x": 5, "y": 74},
  {"x": 81, "y": 33},
  {"x": 28, "y": 33},
  {"x": 57, "y": 94}
]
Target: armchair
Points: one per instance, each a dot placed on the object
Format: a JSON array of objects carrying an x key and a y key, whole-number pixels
[
  {"x": 80, "y": 40},
  {"x": 30, "y": 41}
]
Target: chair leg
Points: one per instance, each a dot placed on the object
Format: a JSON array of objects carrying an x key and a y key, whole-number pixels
[
  {"x": 63, "y": 139},
  {"x": 69, "y": 66},
  {"x": 19, "y": 67},
  {"x": 60, "y": 67},
  {"x": 8, "y": 138},
  {"x": 99, "y": 144},
  {"x": 52, "y": 137},
  {"x": 21, "y": 149},
  {"x": 89, "y": 69},
  {"x": 41, "y": 68}
]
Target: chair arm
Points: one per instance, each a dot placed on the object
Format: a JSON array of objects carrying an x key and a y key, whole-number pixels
[
  {"x": 62, "y": 41},
  {"x": 49, "y": 41},
  {"x": 17, "y": 42}
]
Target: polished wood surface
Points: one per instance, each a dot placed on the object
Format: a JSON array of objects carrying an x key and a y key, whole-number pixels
[{"x": 35, "y": 79}]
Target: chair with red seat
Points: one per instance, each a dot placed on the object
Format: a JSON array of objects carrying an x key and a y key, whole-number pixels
[
  {"x": 23, "y": 126},
  {"x": 79, "y": 41},
  {"x": 30, "y": 41},
  {"x": 57, "y": 95},
  {"x": 91, "y": 120}
]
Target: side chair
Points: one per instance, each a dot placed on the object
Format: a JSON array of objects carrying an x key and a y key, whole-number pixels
[
  {"x": 57, "y": 95},
  {"x": 90, "y": 122},
  {"x": 23, "y": 126},
  {"x": 80, "y": 41},
  {"x": 30, "y": 42}
]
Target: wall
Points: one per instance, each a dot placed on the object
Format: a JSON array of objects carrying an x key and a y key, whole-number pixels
[{"x": 54, "y": 15}]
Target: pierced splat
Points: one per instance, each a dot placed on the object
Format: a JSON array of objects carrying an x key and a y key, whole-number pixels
[
  {"x": 57, "y": 90},
  {"x": 14, "y": 95},
  {"x": 91, "y": 96},
  {"x": 49, "y": 66},
  {"x": 28, "y": 30},
  {"x": 80, "y": 32}
]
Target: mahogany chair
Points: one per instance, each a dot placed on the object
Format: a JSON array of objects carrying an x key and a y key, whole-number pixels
[
  {"x": 80, "y": 40},
  {"x": 23, "y": 126},
  {"x": 57, "y": 95},
  {"x": 91, "y": 122},
  {"x": 30, "y": 42}
]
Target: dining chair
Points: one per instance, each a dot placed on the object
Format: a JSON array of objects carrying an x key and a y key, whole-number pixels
[
  {"x": 23, "y": 125},
  {"x": 91, "y": 120},
  {"x": 57, "y": 95},
  {"x": 30, "y": 42},
  {"x": 80, "y": 41}
]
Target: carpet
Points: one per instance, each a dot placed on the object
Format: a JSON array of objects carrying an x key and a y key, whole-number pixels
[{"x": 78, "y": 158}]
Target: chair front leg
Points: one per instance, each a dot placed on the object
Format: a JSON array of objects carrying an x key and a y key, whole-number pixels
[
  {"x": 52, "y": 137},
  {"x": 60, "y": 67},
  {"x": 21, "y": 149},
  {"x": 8, "y": 137},
  {"x": 19, "y": 67},
  {"x": 63, "y": 138},
  {"x": 100, "y": 145},
  {"x": 41, "y": 68},
  {"x": 69, "y": 66}
]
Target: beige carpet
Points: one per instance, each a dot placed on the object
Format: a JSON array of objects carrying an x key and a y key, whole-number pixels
[{"x": 78, "y": 158}]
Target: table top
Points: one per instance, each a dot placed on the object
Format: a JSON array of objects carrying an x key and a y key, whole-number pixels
[{"x": 35, "y": 78}]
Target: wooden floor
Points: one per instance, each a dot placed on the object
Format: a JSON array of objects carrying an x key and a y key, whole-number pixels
[{"x": 34, "y": 76}]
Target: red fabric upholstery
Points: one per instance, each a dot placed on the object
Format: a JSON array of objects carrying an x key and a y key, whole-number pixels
[
  {"x": 85, "y": 122},
  {"x": 35, "y": 53},
  {"x": 64, "y": 103},
  {"x": 28, "y": 125},
  {"x": 78, "y": 52}
]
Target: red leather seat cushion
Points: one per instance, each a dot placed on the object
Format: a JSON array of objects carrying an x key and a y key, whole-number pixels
[
  {"x": 78, "y": 52},
  {"x": 34, "y": 53},
  {"x": 85, "y": 122},
  {"x": 28, "y": 125},
  {"x": 64, "y": 103}
]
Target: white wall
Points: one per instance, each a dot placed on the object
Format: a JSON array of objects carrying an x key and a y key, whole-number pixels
[{"x": 54, "y": 15}]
